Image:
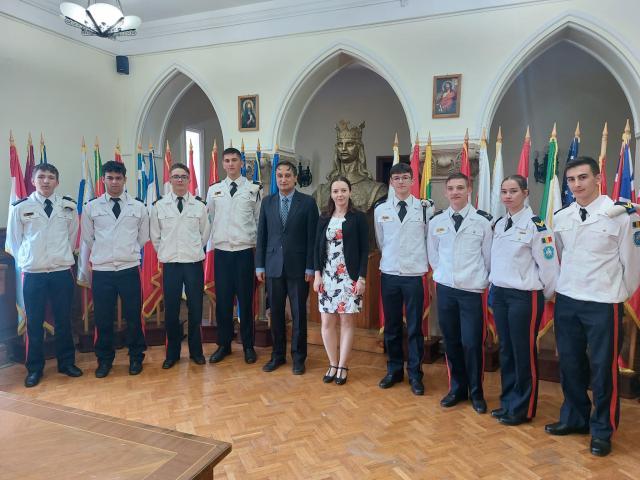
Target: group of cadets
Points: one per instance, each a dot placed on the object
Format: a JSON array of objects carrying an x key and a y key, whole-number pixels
[{"x": 591, "y": 262}]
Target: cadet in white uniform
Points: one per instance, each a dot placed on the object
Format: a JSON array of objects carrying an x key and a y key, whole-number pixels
[
  {"x": 524, "y": 270},
  {"x": 599, "y": 270},
  {"x": 401, "y": 232},
  {"x": 115, "y": 227},
  {"x": 234, "y": 208},
  {"x": 460, "y": 255},
  {"x": 179, "y": 228},
  {"x": 41, "y": 234}
]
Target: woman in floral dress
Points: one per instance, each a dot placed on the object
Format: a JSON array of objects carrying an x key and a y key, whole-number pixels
[{"x": 341, "y": 255}]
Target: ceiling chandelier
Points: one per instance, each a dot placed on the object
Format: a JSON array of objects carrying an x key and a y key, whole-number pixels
[{"x": 100, "y": 19}]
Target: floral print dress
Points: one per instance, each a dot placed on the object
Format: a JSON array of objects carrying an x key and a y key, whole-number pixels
[{"x": 338, "y": 292}]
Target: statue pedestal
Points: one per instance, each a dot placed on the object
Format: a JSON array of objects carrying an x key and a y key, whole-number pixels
[{"x": 367, "y": 332}]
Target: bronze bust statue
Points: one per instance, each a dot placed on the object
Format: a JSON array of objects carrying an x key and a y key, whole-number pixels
[{"x": 350, "y": 161}]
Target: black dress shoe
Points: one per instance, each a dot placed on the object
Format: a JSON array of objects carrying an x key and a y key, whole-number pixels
[
  {"x": 103, "y": 370},
  {"x": 250, "y": 355},
  {"x": 219, "y": 354},
  {"x": 199, "y": 360},
  {"x": 513, "y": 420},
  {"x": 32, "y": 379},
  {"x": 600, "y": 447},
  {"x": 135, "y": 367},
  {"x": 168, "y": 363},
  {"x": 71, "y": 370},
  {"x": 498, "y": 412},
  {"x": 341, "y": 380},
  {"x": 272, "y": 364},
  {"x": 299, "y": 369},
  {"x": 390, "y": 380},
  {"x": 479, "y": 405},
  {"x": 417, "y": 387},
  {"x": 330, "y": 378},
  {"x": 450, "y": 400},
  {"x": 560, "y": 428}
]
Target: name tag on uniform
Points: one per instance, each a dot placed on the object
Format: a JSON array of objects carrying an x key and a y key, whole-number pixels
[
  {"x": 385, "y": 218},
  {"x": 27, "y": 214},
  {"x": 440, "y": 230},
  {"x": 218, "y": 193}
]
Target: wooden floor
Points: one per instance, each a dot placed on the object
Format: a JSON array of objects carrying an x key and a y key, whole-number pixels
[{"x": 285, "y": 426}]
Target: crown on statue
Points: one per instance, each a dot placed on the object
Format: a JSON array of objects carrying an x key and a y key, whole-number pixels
[{"x": 344, "y": 130}]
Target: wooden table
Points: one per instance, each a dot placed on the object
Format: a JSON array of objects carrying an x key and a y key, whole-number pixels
[{"x": 41, "y": 440}]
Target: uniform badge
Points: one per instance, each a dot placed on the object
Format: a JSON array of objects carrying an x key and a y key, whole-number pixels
[
  {"x": 547, "y": 239},
  {"x": 27, "y": 214},
  {"x": 636, "y": 239},
  {"x": 635, "y": 224},
  {"x": 218, "y": 193},
  {"x": 385, "y": 218},
  {"x": 539, "y": 223},
  {"x": 549, "y": 252},
  {"x": 440, "y": 230}
]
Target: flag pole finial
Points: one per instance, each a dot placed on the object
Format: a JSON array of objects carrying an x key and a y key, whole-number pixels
[
  {"x": 258, "y": 147},
  {"x": 276, "y": 149},
  {"x": 11, "y": 137},
  {"x": 577, "y": 132},
  {"x": 429, "y": 138},
  {"x": 150, "y": 145},
  {"x": 395, "y": 140},
  {"x": 140, "y": 146},
  {"x": 417, "y": 139},
  {"x": 84, "y": 145},
  {"x": 484, "y": 134},
  {"x": 605, "y": 131},
  {"x": 499, "y": 137},
  {"x": 190, "y": 145},
  {"x": 554, "y": 132},
  {"x": 527, "y": 136},
  {"x": 30, "y": 142},
  {"x": 626, "y": 136},
  {"x": 215, "y": 144},
  {"x": 230, "y": 142},
  {"x": 466, "y": 136},
  {"x": 168, "y": 149},
  {"x": 97, "y": 144},
  {"x": 242, "y": 144},
  {"x": 42, "y": 136}
]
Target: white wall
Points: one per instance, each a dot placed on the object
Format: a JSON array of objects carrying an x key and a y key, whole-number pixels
[
  {"x": 60, "y": 88},
  {"x": 356, "y": 94},
  {"x": 563, "y": 85}
]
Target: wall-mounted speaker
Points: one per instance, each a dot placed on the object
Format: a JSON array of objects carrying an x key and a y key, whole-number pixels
[{"x": 122, "y": 65}]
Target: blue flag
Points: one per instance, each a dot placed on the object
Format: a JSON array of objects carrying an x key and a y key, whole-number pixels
[
  {"x": 567, "y": 196},
  {"x": 274, "y": 186}
]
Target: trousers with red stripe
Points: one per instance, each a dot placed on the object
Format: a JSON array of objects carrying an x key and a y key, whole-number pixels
[
  {"x": 518, "y": 314},
  {"x": 583, "y": 326}
]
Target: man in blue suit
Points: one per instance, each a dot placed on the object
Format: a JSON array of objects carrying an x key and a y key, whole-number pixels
[{"x": 284, "y": 256}]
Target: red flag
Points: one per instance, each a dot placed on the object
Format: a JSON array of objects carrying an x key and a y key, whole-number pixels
[
  {"x": 193, "y": 180},
  {"x": 167, "y": 169},
  {"x": 28, "y": 169},
  {"x": 209, "y": 283},
  {"x": 523, "y": 164},
  {"x": 415, "y": 168},
  {"x": 602, "y": 160},
  {"x": 151, "y": 280},
  {"x": 18, "y": 189}
]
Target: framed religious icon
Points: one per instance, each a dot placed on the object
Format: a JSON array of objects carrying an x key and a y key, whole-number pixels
[
  {"x": 446, "y": 96},
  {"x": 248, "y": 119}
]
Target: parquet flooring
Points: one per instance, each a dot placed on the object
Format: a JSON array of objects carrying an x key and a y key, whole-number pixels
[{"x": 286, "y": 426}]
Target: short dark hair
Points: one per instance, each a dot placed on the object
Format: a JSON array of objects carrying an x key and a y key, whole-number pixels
[
  {"x": 290, "y": 165},
  {"x": 45, "y": 167},
  {"x": 457, "y": 176},
  {"x": 232, "y": 151},
  {"x": 519, "y": 179},
  {"x": 576, "y": 162},
  {"x": 179, "y": 165},
  {"x": 401, "y": 167},
  {"x": 115, "y": 167}
]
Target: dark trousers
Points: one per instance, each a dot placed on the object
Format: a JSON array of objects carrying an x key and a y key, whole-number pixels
[
  {"x": 174, "y": 276},
  {"x": 234, "y": 274},
  {"x": 461, "y": 321},
  {"x": 297, "y": 289},
  {"x": 518, "y": 314},
  {"x": 38, "y": 289},
  {"x": 397, "y": 292},
  {"x": 106, "y": 287},
  {"x": 596, "y": 327}
]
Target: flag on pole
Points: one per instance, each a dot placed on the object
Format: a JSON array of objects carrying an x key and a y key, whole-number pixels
[
  {"x": 85, "y": 193},
  {"x": 209, "y": 282},
  {"x": 273, "y": 188},
  {"x": 572, "y": 154},
  {"x": 602, "y": 160},
  {"x": 151, "y": 161},
  {"x": 523, "y": 163},
  {"x": 28, "y": 169},
  {"x": 497, "y": 207},
  {"x": 213, "y": 166},
  {"x": 97, "y": 169},
  {"x": 465, "y": 166},
  {"x": 167, "y": 169},
  {"x": 243, "y": 168},
  {"x": 151, "y": 277},
  {"x": 483, "y": 198},
  {"x": 624, "y": 188},
  {"x": 85, "y": 188},
  {"x": 551, "y": 198},
  {"x": 18, "y": 191},
  {"x": 141, "y": 185},
  {"x": 415, "y": 168},
  {"x": 257, "y": 174},
  {"x": 43, "y": 150},
  {"x": 425, "y": 181},
  {"x": 117, "y": 154},
  {"x": 193, "y": 180}
]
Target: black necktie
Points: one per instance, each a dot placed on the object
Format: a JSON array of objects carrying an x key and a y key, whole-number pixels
[
  {"x": 583, "y": 214},
  {"x": 509, "y": 224},
  {"x": 234, "y": 188},
  {"x": 116, "y": 206},
  {"x": 180, "y": 204},
  {"x": 403, "y": 209},
  {"x": 48, "y": 207},
  {"x": 457, "y": 220}
]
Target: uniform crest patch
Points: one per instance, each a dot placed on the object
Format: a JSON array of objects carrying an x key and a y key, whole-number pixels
[
  {"x": 539, "y": 223},
  {"x": 636, "y": 239},
  {"x": 548, "y": 252}
]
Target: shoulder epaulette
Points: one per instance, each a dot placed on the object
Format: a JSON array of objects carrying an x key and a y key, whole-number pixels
[
  {"x": 70, "y": 199},
  {"x": 257, "y": 183},
  {"x": 628, "y": 206},
  {"x": 438, "y": 212},
  {"x": 493, "y": 227},
  {"x": 19, "y": 201},
  {"x": 566, "y": 206},
  {"x": 198, "y": 198},
  {"x": 539, "y": 223},
  {"x": 484, "y": 214},
  {"x": 92, "y": 199},
  {"x": 156, "y": 200},
  {"x": 140, "y": 200},
  {"x": 380, "y": 201}
]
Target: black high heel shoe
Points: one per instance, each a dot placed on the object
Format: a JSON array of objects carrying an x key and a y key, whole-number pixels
[
  {"x": 329, "y": 378},
  {"x": 340, "y": 380}
]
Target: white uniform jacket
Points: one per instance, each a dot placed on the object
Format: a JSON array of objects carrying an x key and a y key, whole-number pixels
[
  {"x": 179, "y": 237},
  {"x": 600, "y": 257},
  {"x": 234, "y": 220},
  {"x": 403, "y": 244},
  {"x": 40, "y": 243},
  {"x": 461, "y": 259},
  {"x": 524, "y": 257}
]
